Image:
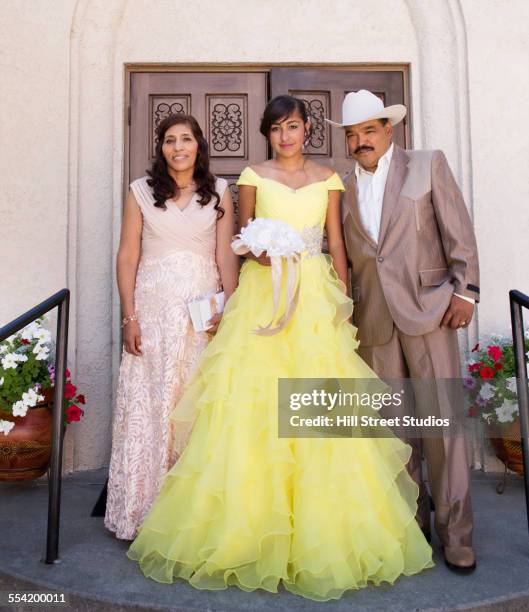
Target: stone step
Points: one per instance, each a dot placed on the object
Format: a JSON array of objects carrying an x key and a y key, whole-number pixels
[{"x": 96, "y": 574}]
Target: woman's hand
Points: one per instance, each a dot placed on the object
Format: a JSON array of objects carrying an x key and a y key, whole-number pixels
[
  {"x": 132, "y": 338},
  {"x": 263, "y": 259},
  {"x": 246, "y": 214},
  {"x": 335, "y": 242},
  {"x": 127, "y": 266},
  {"x": 227, "y": 261},
  {"x": 213, "y": 323}
]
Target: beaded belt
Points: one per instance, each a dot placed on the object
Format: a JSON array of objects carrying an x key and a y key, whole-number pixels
[{"x": 313, "y": 239}]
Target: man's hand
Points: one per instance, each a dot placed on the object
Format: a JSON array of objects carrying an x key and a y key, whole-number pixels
[{"x": 458, "y": 314}]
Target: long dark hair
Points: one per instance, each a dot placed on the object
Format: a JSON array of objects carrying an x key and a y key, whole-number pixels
[
  {"x": 282, "y": 107},
  {"x": 161, "y": 182}
]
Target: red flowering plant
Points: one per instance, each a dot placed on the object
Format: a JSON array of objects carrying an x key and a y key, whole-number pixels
[
  {"x": 72, "y": 411},
  {"x": 27, "y": 373},
  {"x": 491, "y": 382}
]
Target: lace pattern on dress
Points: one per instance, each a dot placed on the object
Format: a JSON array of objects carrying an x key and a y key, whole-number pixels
[
  {"x": 313, "y": 239},
  {"x": 150, "y": 386}
]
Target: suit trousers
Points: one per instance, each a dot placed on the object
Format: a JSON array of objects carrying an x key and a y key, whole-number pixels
[{"x": 431, "y": 359}]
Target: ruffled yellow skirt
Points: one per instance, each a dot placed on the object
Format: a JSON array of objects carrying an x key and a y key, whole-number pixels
[{"x": 244, "y": 507}]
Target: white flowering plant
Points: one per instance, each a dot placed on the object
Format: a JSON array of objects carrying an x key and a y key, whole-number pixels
[
  {"x": 491, "y": 382},
  {"x": 26, "y": 371}
]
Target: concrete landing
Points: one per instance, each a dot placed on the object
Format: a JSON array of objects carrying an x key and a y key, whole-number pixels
[{"x": 97, "y": 575}]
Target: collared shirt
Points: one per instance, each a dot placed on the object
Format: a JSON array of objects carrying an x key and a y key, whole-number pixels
[
  {"x": 370, "y": 188},
  {"x": 370, "y": 191}
]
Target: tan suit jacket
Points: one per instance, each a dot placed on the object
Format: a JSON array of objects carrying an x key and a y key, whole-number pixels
[{"x": 426, "y": 249}]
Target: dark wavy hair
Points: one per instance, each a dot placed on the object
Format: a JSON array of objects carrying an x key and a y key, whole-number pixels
[
  {"x": 281, "y": 108},
  {"x": 161, "y": 182}
]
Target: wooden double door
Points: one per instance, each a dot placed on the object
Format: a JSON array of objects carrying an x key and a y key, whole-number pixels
[{"x": 229, "y": 106}]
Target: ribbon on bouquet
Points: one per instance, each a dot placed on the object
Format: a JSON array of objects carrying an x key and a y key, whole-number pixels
[{"x": 293, "y": 282}]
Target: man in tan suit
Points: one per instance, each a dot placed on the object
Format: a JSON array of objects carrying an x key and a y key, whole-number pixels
[{"x": 415, "y": 280}]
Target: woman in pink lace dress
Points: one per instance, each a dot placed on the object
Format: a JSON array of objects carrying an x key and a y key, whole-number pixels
[{"x": 175, "y": 248}]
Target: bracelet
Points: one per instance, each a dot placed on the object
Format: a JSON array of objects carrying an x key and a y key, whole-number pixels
[{"x": 125, "y": 320}]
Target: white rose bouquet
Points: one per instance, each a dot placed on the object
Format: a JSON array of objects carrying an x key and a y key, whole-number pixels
[
  {"x": 281, "y": 242},
  {"x": 277, "y": 238}
]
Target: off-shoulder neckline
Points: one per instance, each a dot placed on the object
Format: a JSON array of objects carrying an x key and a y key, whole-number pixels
[{"x": 265, "y": 178}]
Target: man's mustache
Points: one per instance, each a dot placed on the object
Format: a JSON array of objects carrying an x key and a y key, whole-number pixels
[{"x": 362, "y": 149}]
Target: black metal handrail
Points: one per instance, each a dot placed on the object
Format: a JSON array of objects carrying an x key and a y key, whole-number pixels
[
  {"x": 62, "y": 300},
  {"x": 518, "y": 301}
]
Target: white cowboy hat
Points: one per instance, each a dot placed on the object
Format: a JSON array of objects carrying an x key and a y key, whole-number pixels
[{"x": 363, "y": 106}]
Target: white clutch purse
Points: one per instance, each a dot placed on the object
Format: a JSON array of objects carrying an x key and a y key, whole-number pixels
[{"x": 202, "y": 310}]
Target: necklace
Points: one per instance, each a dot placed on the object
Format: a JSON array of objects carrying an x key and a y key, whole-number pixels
[
  {"x": 302, "y": 169},
  {"x": 181, "y": 189}
]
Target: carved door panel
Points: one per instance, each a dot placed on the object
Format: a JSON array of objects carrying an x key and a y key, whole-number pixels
[
  {"x": 323, "y": 92},
  {"x": 227, "y": 105}
]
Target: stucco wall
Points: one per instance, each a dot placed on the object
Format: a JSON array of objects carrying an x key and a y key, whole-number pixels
[
  {"x": 34, "y": 133},
  {"x": 498, "y": 46},
  {"x": 61, "y": 121}
]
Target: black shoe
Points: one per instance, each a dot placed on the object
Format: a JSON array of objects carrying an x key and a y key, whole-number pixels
[
  {"x": 101, "y": 504},
  {"x": 430, "y": 502},
  {"x": 459, "y": 569}
]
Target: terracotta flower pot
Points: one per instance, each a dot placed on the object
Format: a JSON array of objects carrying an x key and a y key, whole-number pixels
[
  {"x": 507, "y": 444},
  {"x": 25, "y": 452}
]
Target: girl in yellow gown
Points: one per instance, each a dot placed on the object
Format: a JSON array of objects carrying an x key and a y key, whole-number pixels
[{"x": 242, "y": 506}]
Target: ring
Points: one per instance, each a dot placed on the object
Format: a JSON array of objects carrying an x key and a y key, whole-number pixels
[{"x": 462, "y": 324}]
